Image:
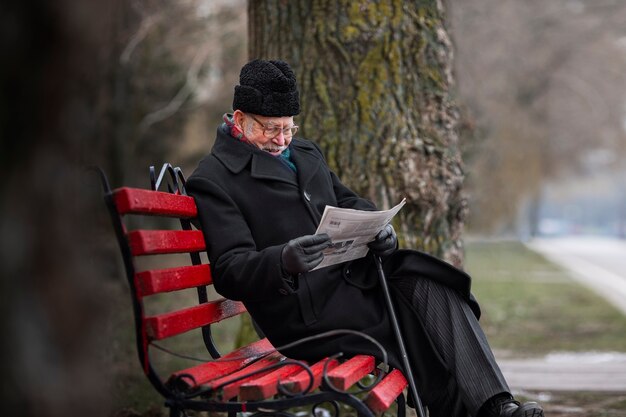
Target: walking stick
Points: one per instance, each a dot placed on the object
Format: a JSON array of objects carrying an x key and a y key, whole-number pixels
[{"x": 396, "y": 329}]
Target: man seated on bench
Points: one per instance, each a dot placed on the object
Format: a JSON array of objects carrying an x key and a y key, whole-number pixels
[{"x": 261, "y": 193}]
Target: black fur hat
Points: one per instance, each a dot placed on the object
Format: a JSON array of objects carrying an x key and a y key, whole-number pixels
[{"x": 267, "y": 88}]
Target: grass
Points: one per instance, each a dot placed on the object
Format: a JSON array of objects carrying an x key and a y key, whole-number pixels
[
  {"x": 532, "y": 307},
  {"x": 584, "y": 404}
]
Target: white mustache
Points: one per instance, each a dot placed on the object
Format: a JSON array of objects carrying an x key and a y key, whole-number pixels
[{"x": 274, "y": 148}]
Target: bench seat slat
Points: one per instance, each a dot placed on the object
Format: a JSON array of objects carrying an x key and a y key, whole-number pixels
[
  {"x": 166, "y": 325},
  {"x": 227, "y": 364},
  {"x": 153, "y": 242},
  {"x": 299, "y": 381},
  {"x": 351, "y": 371},
  {"x": 155, "y": 203},
  {"x": 232, "y": 390},
  {"x": 172, "y": 279},
  {"x": 267, "y": 385},
  {"x": 385, "y": 393}
]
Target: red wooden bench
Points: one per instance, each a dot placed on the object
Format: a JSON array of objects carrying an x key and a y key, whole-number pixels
[{"x": 254, "y": 378}]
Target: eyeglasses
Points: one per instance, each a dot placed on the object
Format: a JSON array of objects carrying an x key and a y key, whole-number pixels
[{"x": 273, "y": 131}]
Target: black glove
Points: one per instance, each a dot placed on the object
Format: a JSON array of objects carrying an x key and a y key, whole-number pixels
[
  {"x": 304, "y": 253},
  {"x": 385, "y": 243}
]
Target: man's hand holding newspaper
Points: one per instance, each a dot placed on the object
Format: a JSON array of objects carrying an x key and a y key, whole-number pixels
[{"x": 350, "y": 231}]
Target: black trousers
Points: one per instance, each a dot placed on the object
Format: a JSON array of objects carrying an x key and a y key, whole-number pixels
[{"x": 454, "y": 366}]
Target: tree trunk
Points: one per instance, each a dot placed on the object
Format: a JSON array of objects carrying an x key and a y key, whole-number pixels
[{"x": 375, "y": 80}]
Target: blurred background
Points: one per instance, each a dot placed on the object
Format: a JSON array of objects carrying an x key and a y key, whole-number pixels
[
  {"x": 123, "y": 85},
  {"x": 543, "y": 83}
]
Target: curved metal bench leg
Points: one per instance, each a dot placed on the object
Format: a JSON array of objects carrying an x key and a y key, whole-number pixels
[
  {"x": 175, "y": 412},
  {"x": 401, "y": 403}
]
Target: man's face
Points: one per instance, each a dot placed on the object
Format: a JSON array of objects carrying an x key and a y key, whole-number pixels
[{"x": 271, "y": 134}]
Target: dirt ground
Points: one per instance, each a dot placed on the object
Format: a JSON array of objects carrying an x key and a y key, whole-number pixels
[{"x": 583, "y": 404}]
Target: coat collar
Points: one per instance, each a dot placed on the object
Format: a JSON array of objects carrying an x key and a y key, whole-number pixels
[
  {"x": 233, "y": 154},
  {"x": 236, "y": 155}
]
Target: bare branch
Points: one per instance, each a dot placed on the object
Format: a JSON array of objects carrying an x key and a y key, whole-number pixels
[
  {"x": 588, "y": 92},
  {"x": 191, "y": 83},
  {"x": 179, "y": 99},
  {"x": 146, "y": 24}
]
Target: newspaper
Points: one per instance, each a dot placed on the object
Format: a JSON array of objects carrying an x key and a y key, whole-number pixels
[{"x": 350, "y": 231}]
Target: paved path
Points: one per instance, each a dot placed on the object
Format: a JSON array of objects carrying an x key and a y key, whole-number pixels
[
  {"x": 567, "y": 372},
  {"x": 599, "y": 263}
]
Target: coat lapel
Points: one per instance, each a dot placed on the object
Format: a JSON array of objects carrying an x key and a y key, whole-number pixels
[{"x": 307, "y": 162}]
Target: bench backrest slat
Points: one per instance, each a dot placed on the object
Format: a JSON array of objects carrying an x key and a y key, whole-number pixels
[
  {"x": 154, "y": 203},
  {"x": 171, "y": 324},
  {"x": 172, "y": 279},
  {"x": 154, "y": 242},
  {"x": 169, "y": 274}
]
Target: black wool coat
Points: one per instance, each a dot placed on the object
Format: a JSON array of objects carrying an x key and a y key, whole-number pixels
[{"x": 251, "y": 203}]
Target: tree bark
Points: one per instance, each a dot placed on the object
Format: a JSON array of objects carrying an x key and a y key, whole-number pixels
[{"x": 376, "y": 84}]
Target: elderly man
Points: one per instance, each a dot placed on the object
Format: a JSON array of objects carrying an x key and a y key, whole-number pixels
[{"x": 260, "y": 195}]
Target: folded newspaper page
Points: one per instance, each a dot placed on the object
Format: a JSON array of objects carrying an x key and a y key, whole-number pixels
[{"x": 350, "y": 231}]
